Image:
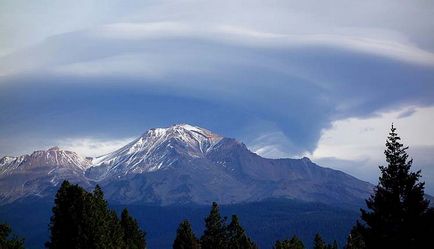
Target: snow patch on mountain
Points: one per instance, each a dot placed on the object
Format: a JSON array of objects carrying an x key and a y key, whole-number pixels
[
  {"x": 53, "y": 157},
  {"x": 9, "y": 163},
  {"x": 156, "y": 149},
  {"x": 179, "y": 164}
]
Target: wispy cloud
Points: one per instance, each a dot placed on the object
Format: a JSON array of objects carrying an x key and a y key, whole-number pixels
[
  {"x": 363, "y": 44},
  {"x": 147, "y": 30},
  {"x": 273, "y": 144},
  {"x": 114, "y": 49},
  {"x": 92, "y": 147}
]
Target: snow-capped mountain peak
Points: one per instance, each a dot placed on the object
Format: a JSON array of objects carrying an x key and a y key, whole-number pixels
[
  {"x": 36, "y": 173},
  {"x": 58, "y": 157},
  {"x": 53, "y": 157},
  {"x": 158, "y": 148},
  {"x": 179, "y": 164},
  {"x": 192, "y": 136}
]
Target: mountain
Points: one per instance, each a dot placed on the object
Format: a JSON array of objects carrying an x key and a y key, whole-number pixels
[
  {"x": 155, "y": 150},
  {"x": 39, "y": 173},
  {"x": 169, "y": 174},
  {"x": 181, "y": 164}
]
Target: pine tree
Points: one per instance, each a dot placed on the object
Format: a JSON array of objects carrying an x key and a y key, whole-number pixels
[
  {"x": 428, "y": 226},
  {"x": 214, "y": 236},
  {"x": 237, "y": 238},
  {"x": 66, "y": 225},
  {"x": 103, "y": 224},
  {"x": 293, "y": 243},
  {"x": 82, "y": 220},
  {"x": 134, "y": 237},
  {"x": 333, "y": 246},
  {"x": 355, "y": 239},
  {"x": 8, "y": 241},
  {"x": 185, "y": 238},
  {"x": 318, "y": 242},
  {"x": 116, "y": 233},
  {"x": 397, "y": 208}
]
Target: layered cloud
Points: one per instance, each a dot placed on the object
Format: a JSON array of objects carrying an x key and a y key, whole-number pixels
[
  {"x": 281, "y": 76},
  {"x": 119, "y": 49}
]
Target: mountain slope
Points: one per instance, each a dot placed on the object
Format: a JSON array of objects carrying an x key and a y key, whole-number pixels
[
  {"x": 230, "y": 173},
  {"x": 178, "y": 165},
  {"x": 156, "y": 149},
  {"x": 39, "y": 173}
]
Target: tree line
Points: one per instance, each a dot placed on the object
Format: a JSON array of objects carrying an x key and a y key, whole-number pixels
[{"x": 397, "y": 216}]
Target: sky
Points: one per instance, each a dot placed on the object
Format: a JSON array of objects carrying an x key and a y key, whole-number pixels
[{"x": 323, "y": 79}]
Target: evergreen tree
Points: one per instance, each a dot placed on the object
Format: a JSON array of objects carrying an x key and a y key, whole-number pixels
[
  {"x": 104, "y": 226},
  {"x": 68, "y": 219},
  {"x": 134, "y": 237},
  {"x": 428, "y": 226},
  {"x": 397, "y": 208},
  {"x": 293, "y": 243},
  {"x": 185, "y": 238},
  {"x": 237, "y": 238},
  {"x": 333, "y": 246},
  {"x": 214, "y": 236},
  {"x": 318, "y": 242},
  {"x": 116, "y": 233},
  {"x": 355, "y": 239},
  {"x": 8, "y": 241},
  {"x": 83, "y": 220}
]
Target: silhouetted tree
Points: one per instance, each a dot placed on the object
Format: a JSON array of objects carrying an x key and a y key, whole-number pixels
[
  {"x": 8, "y": 241},
  {"x": 69, "y": 218},
  {"x": 104, "y": 228},
  {"x": 83, "y": 220},
  {"x": 116, "y": 233},
  {"x": 397, "y": 208},
  {"x": 355, "y": 240},
  {"x": 428, "y": 226},
  {"x": 185, "y": 238},
  {"x": 293, "y": 243},
  {"x": 333, "y": 246},
  {"x": 318, "y": 242},
  {"x": 214, "y": 236},
  {"x": 237, "y": 237},
  {"x": 134, "y": 237}
]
